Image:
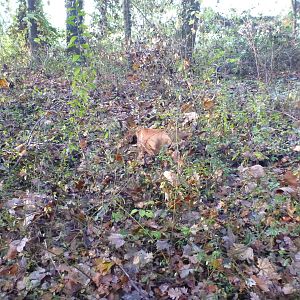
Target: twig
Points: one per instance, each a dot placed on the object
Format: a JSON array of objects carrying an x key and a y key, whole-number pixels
[
  {"x": 286, "y": 114},
  {"x": 143, "y": 15},
  {"x": 28, "y": 141},
  {"x": 142, "y": 292},
  {"x": 78, "y": 269}
]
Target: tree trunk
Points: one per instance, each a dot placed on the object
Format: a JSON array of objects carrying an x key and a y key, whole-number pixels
[
  {"x": 127, "y": 28},
  {"x": 74, "y": 24},
  {"x": 21, "y": 15},
  {"x": 189, "y": 27},
  {"x": 32, "y": 6},
  {"x": 102, "y": 7},
  {"x": 296, "y": 9}
]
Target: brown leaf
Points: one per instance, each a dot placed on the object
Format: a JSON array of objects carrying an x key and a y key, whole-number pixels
[
  {"x": 162, "y": 245},
  {"x": 171, "y": 177},
  {"x": 4, "y": 83},
  {"x": 103, "y": 266},
  {"x": 285, "y": 190},
  {"x": 141, "y": 258},
  {"x": 72, "y": 287},
  {"x": 296, "y": 148},
  {"x": 267, "y": 269},
  {"x": 186, "y": 64},
  {"x": 186, "y": 107},
  {"x": 79, "y": 185},
  {"x": 20, "y": 147},
  {"x": 12, "y": 252},
  {"x": 135, "y": 66},
  {"x": 16, "y": 247},
  {"x": 257, "y": 171},
  {"x": 241, "y": 252},
  {"x": 83, "y": 144},
  {"x": 211, "y": 288},
  {"x": 174, "y": 293},
  {"x": 151, "y": 141},
  {"x": 9, "y": 270},
  {"x": 118, "y": 157},
  {"x": 208, "y": 103},
  {"x": 290, "y": 179},
  {"x": 288, "y": 289},
  {"x": 116, "y": 239},
  {"x": 190, "y": 117},
  {"x": 260, "y": 283}
]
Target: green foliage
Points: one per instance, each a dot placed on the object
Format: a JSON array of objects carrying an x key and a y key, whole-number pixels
[
  {"x": 243, "y": 45},
  {"x": 68, "y": 163}
]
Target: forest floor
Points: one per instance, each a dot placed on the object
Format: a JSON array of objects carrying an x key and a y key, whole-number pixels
[{"x": 81, "y": 217}]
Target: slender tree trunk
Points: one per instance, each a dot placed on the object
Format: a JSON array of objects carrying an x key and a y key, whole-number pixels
[
  {"x": 296, "y": 8},
  {"x": 102, "y": 6},
  {"x": 74, "y": 24},
  {"x": 127, "y": 28},
  {"x": 21, "y": 14},
  {"x": 189, "y": 27},
  {"x": 32, "y": 6}
]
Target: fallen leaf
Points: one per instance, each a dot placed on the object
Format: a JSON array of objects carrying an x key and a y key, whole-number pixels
[
  {"x": 297, "y": 148},
  {"x": 229, "y": 239},
  {"x": 257, "y": 171},
  {"x": 285, "y": 190},
  {"x": 9, "y": 270},
  {"x": 171, "y": 177},
  {"x": 174, "y": 293},
  {"x": 4, "y": 83},
  {"x": 297, "y": 256},
  {"x": 267, "y": 269},
  {"x": 254, "y": 296},
  {"x": 290, "y": 179},
  {"x": 103, "y": 266},
  {"x": 118, "y": 157},
  {"x": 177, "y": 158},
  {"x": 186, "y": 107},
  {"x": 79, "y": 185},
  {"x": 83, "y": 144},
  {"x": 250, "y": 282},
  {"x": 142, "y": 258},
  {"x": 208, "y": 103},
  {"x": 16, "y": 247},
  {"x": 116, "y": 239},
  {"x": 135, "y": 66},
  {"x": 134, "y": 295},
  {"x": 190, "y": 117},
  {"x": 162, "y": 245},
  {"x": 288, "y": 289},
  {"x": 241, "y": 252},
  {"x": 260, "y": 283},
  {"x": 71, "y": 287},
  {"x": 37, "y": 276},
  {"x": 250, "y": 187}
]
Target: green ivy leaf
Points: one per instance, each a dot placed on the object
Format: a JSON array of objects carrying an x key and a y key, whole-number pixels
[
  {"x": 72, "y": 41},
  {"x": 76, "y": 57}
]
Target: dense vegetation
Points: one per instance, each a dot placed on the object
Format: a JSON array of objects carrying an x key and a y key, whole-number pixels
[{"x": 153, "y": 154}]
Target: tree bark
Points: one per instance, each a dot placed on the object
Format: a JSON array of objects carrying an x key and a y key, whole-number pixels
[
  {"x": 127, "y": 28},
  {"x": 296, "y": 9},
  {"x": 74, "y": 24},
  {"x": 21, "y": 14},
  {"x": 102, "y": 7},
  {"x": 189, "y": 27},
  {"x": 32, "y": 6}
]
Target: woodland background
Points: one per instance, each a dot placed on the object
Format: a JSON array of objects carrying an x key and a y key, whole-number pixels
[{"x": 151, "y": 154}]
